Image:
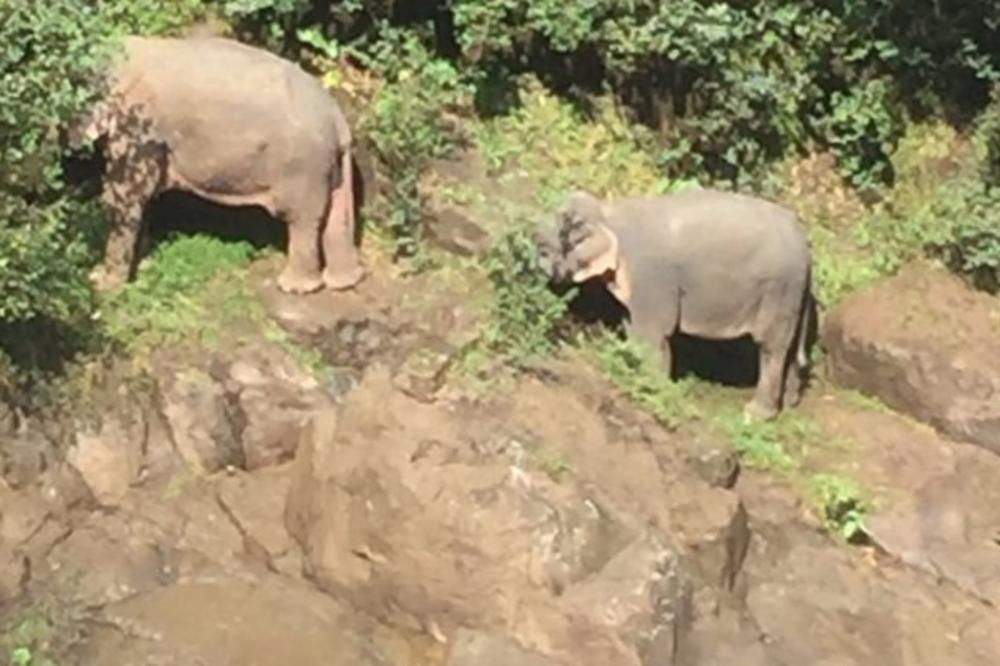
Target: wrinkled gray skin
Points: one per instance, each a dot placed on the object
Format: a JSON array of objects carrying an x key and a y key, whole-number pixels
[
  {"x": 707, "y": 263},
  {"x": 235, "y": 125}
]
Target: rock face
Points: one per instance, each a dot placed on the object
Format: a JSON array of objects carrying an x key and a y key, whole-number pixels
[
  {"x": 399, "y": 513},
  {"x": 238, "y": 623},
  {"x": 243, "y": 410},
  {"x": 926, "y": 345}
]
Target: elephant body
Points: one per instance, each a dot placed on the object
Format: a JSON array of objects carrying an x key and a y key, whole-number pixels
[
  {"x": 704, "y": 262},
  {"x": 235, "y": 125}
]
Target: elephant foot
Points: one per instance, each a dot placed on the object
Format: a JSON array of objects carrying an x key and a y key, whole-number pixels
[
  {"x": 753, "y": 412},
  {"x": 343, "y": 279},
  {"x": 292, "y": 281},
  {"x": 104, "y": 280}
]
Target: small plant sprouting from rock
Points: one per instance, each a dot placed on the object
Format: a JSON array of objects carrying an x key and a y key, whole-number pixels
[
  {"x": 30, "y": 638},
  {"x": 524, "y": 312},
  {"x": 633, "y": 368},
  {"x": 841, "y": 505}
]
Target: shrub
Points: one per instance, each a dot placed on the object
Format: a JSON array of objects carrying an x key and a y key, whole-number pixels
[
  {"x": 560, "y": 149},
  {"x": 523, "y": 312},
  {"x": 51, "y": 54},
  {"x": 841, "y": 505},
  {"x": 407, "y": 125}
]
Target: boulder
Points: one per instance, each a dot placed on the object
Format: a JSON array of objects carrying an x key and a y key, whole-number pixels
[
  {"x": 453, "y": 231},
  {"x": 109, "y": 452},
  {"x": 401, "y": 514},
  {"x": 275, "y": 398},
  {"x": 245, "y": 410},
  {"x": 924, "y": 344}
]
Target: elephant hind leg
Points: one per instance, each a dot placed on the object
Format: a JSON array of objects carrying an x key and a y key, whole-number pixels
[
  {"x": 779, "y": 370},
  {"x": 302, "y": 272},
  {"x": 135, "y": 173},
  {"x": 343, "y": 262}
]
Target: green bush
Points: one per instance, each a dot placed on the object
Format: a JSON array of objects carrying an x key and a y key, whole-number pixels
[
  {"x": 524, "y": 313},
  {"x": 52, "y": 59},
  {"x": 50, "y": 56},
  {"x": 407, "y": 125},
  {"x": 732, "y": 85}
]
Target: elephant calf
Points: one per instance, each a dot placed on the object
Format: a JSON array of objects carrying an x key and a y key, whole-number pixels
[
  {"x": 236, "y": 125},
  {"x": 708, "y": 263}
]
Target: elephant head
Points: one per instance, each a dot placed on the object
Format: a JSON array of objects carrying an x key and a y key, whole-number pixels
[{"x": 580, "y": 246}]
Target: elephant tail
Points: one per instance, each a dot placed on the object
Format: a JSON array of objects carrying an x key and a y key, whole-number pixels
[{"x": 801, "y": 354}]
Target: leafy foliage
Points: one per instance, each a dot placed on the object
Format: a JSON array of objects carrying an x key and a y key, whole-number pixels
[
  {"x": 407, "y": 125},
  {"x": 553, "y": 143},
  {"x": 841, "y": 505},
  {"x": 524, "y": 312}
]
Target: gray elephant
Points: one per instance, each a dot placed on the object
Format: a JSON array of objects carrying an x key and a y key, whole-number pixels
[
  {"x": 704, "y": 262},
  {"x": 238, "y": 126}
]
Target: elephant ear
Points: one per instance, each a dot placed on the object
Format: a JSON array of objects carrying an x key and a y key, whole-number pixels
[
  {"x": 597, "y": 253},
  {"x": 605, "y": 260},
  {"x": 594, "y": 245}
]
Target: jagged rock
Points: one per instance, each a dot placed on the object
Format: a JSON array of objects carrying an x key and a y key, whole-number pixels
[
  {"x": 927, "y": 345},
  {"x": 274, "y": 399},
  {"x": 815, "y": 603},
  {"x": 202, "y": 421},
  {"x": 255, "y": 503},
  {"x": 398, "y": 514},
  {"x": 453, "y": 231},
  {"x": 110, "y": 455},
  {"x": 25, "y": 456}
]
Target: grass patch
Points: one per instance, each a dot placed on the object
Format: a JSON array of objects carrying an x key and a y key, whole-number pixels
[
  {"x": 188, "y": 289},
  {"x": 841, "y": 504},
  {"x": 783, "y": 446},
  {"x": 864, "y": 401},
  {"x": 637, "y": 372}
]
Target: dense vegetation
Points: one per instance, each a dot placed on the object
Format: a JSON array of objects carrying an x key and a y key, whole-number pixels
[{"x": 615, "y": 96}]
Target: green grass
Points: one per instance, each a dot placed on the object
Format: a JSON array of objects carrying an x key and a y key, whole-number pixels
[
  {"x": 637, "y": 372},
  {"x": 784, "y": 447},
  {"x": 187, "y": 290}
]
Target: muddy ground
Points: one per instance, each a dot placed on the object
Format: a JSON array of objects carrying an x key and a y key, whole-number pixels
[{"x": 235, "y": 507}]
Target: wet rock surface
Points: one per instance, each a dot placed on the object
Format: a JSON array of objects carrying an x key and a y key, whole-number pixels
[{"x": 926, "y": 345}]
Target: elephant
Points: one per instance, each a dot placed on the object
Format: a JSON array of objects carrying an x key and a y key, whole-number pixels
[
  {"x": 705, "y": 262},
  {"x": 235, "y": 125}
]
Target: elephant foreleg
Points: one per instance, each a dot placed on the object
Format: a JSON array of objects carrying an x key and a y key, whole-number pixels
[
  {"x": 135, "y": 173},
  {"x": 653, "y": 334},
  {"x": 343, "y": 262},
  {"x": 301, "y": 274}
]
